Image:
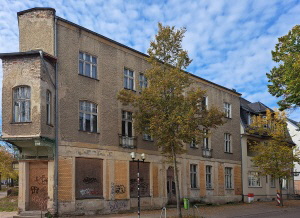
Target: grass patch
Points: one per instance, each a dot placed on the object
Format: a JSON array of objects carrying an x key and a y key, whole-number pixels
[{"x": 9, "y": 204}]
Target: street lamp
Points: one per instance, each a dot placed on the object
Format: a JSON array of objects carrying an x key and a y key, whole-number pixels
[{"x": 133, "y": 156}]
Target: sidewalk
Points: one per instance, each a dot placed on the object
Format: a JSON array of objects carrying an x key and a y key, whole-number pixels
[{"x": 256, "y": 209}]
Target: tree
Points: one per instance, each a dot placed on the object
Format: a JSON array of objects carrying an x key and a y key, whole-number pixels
[
  {"x": 6, "y": 167},
  {"x": 285, "y": 79},
  {"x": 169, "y": 109},
  {"x": 276, "y": 155}
]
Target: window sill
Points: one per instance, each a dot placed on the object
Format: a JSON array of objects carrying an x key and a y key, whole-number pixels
[
  {"x": 50, "y": 125},
  {"x": 88, "y": 132},
  {"x": 148, "y": 140},
  {"x": 229, "y": 118},
  {"x": 228, "y": 152},
  {"x": 254, "y": 186},
  {"x": 130, "y": 89},
  {"x": 21, "y": 122},
  {"x": 195, "y": 189},
  {"x": 195, "y": 147},
  {"x": 88, "y": 77},
  {"x": 210, "y": 189},
  {"x": 229, "y": 189}
]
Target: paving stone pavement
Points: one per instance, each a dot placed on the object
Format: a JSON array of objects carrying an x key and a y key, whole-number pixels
[{"x": 242, "y": 210}]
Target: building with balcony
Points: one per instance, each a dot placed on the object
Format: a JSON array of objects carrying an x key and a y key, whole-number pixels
[
  {"x": 60, "y": 109},
  {"x": 264, "y": 188}
]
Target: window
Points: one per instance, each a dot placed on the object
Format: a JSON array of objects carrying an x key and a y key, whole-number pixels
[
  {"x": 128, "y": 79},
  {"x": 127, "y": 123},
  {"x": 87, "y": 65},
  {"x": 88, "y": 116},
  {"x": 227, "y": 110},
  {"x": 21, "y": 110},
  {"x": 227, "y": 143},
  {"x": 89, "y": 178},
  {"x": 284, "y": 183},
  {"x": 144, "y": 179},
  {"x": 273, "y": 185},
  {"x": 204, "y": 103},
  {"x": 254, "y": 179},
  {"x": 193, "y": 144},
  {"x": 208, "y": 177},
  {"x": 193, "y": 175},
  {"x": 143, "y": 81},
  {"x": 249, "y": 119},
  {"x": 228, "y": 177},
  {"x": 48, "y": 106},
  {"x": 205, "y": 139},
  {"x": 147, "y": 137}
]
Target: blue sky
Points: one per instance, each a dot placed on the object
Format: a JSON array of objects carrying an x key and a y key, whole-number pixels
[{"x": 229, "y": 41}]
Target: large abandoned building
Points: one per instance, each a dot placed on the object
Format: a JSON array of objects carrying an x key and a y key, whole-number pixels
[{"x": 60, "y": 109}]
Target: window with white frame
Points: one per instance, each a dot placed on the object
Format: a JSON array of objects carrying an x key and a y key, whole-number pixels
[
  {"x": 205, "y": 139},
  {"x": 127, "y": 124},
  {"x": 204, "y": 103},
  {"x": 193, "y": 175},
  {"x": 249, "y": 119},
  {"x": 21, "y": 110},
  {"x": 88, "y": 116},
  {"x": 143, "y": 81},
  {"x": 87, "y": 65},
  {"x": 193, "y": 144},
  {"x": 228, "y": 178},
  {"x": 128, "y": 79},
  {"x": 254, "y": 179},
  {"x": 284, "y": 183},
  {"x": 147, "y": 137},
  {"x": 272, "y": 182},
  {"x": 48, "y": 107},
  {"x": 227, "y": 143},
  {"x": 208, "y": 176},
  {"x": 227, "y": 110}
]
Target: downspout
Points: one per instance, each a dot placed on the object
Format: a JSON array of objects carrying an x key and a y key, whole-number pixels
[{"x": 56, "y": 122}]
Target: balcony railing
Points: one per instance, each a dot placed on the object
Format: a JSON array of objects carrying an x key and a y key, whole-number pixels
[
  {"x": 127, "y": 142},
  {"x": 206, "y": 152}
]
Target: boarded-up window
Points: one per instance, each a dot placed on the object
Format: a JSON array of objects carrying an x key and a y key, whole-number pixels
[
  {"x": 144, "y": 179},
  {"x": 89, "y": 174}
]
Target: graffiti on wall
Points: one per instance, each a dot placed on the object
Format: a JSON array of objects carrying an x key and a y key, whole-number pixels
[
  {"x": 89, "y": 191},
  {"x": 116, "y": 189},
  {"x": 115, "y": 206},
  {"x": 144, "y": 186}
]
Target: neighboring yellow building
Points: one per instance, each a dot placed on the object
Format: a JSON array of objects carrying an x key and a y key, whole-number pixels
[{"x": 60, "y": 109}]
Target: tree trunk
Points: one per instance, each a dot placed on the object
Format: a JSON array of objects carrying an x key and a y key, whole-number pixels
[
  {"x": 179, "y": 214},
  {"x": 280, "y": 192}
]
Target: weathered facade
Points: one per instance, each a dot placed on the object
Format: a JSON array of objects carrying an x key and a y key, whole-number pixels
[
  {"x": 264, "y": 188},
  {"x": 59, "y": 92}
]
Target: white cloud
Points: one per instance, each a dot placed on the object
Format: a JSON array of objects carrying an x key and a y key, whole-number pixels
[{"x": 230, "y": 41}]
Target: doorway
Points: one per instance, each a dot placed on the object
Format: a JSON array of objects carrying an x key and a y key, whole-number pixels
[
  {"x": 38, "y": 185},
  {"x": 171, "y": 188}
]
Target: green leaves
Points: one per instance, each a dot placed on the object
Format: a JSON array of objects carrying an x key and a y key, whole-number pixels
[
  {"x": 284, "y": 78},
  {"x": 6, "y": 160},
  {"x": 276, "y": 153},
  {"x": 169, "y": 109}
]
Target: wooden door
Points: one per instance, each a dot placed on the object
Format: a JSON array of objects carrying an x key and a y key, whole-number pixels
[
  {"x": 38, "y": 185},
  {"x": 171, "y": 189}
]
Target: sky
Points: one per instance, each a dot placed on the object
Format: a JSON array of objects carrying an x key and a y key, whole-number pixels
[{"x": 230, "y": 41}]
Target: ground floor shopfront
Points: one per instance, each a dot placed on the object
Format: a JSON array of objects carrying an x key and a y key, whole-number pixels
[{"x": 96, "y": 181}]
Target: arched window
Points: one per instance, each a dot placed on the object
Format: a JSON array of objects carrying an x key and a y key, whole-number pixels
[{"x": 21, "y": 108}]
